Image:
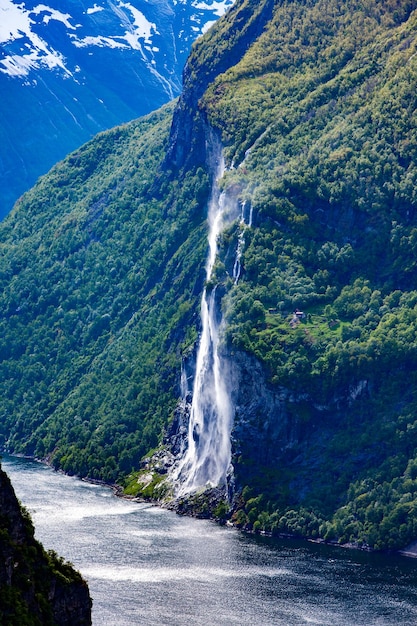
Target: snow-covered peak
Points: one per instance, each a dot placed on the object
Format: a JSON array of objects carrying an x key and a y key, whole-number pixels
[
  {"x": 70, "y": 68},
  {"x": 28, "y": 31},
  {"x": 22, "y": 48}
]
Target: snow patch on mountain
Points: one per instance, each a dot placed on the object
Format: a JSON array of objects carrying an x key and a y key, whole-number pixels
[
  {"x": 25, "y": 38},
  {"x": 52, "y": 14},
  {"x": 70, "y": 69},
  {"x": 99, "y": 41},
  {"x": 17, "y": 36},
  {"x": 218, "y": 8},
  {"x": 94, "y": 9}
]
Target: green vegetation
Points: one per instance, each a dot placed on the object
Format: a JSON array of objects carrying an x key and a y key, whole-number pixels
[
  {"x": 102, "y": 268},
  {"x": 320, "y": 116},
  {"x": 100, "y": 276}
]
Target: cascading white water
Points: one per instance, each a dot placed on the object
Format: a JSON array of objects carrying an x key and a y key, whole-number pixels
[
  {"x": 207, "y": 458},
  {"x": 237, "y": 267}
]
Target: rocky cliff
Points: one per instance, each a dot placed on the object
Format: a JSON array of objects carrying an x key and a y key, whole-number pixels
[
  {"x": 35, "y": 587},
  {"x": 219, "y": 51}
]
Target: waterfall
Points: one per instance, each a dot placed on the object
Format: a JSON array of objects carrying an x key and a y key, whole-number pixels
[
  {"x": 237, "y": 267},
  {"x": 207, "y": 458}
]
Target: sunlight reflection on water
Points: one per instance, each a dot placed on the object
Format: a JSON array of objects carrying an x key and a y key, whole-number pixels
[{"x": 147, "y": 566}]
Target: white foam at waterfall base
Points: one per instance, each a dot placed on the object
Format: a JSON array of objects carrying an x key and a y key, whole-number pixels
[{"x": 207, "y": 458}]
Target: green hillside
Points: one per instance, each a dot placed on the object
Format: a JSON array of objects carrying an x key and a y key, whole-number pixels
[
  {"x": 99, "y": 265},
  {"x": 102, "y": 270}
]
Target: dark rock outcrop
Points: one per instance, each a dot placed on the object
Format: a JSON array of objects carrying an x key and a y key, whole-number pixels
[
  {"x": 244, "y": 22},
  {"x": 36, "y": 587},
  {"x": 262, "y": 426}
]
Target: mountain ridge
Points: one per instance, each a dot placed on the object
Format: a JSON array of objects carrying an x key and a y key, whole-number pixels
[
  {"x": 104, "y": 260},
  {"x": 68, "y": 71}
]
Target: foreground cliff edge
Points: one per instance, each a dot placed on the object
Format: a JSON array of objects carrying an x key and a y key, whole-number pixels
[
  {"x": 37, "y": 588},
  {"x": 298, "y": 123}
]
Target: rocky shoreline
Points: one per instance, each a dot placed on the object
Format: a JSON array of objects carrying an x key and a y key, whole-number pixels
[{"x": 202, "y": 506}]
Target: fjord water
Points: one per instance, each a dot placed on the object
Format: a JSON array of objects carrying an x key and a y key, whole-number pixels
[{"x": 147, "y": 566}]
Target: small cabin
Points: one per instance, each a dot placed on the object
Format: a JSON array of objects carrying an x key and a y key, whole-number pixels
[
  {"x": 297, "y": 317},
  {"x": 299, "y": 314}
]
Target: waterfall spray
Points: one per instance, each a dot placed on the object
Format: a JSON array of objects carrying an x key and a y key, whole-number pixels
[{"x": 207, "y": 458}]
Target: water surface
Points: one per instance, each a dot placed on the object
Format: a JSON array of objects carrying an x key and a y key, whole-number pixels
[{"x": 147, "y": 566}]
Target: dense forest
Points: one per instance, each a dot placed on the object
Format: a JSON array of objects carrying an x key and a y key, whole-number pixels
[{"x": 102, "y": 270}]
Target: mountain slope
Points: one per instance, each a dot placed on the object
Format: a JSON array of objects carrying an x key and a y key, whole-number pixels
[
  {"x": 313, "y": 106},
  {"x": 69, "y": 70},
  {"x": 98, "y": 254}
]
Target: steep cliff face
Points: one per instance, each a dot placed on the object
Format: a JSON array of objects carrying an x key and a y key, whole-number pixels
[
  {"x": 263, "y": 429},
  {"x": 35, "y": 587},
  {"x": 222, "y": 48}
]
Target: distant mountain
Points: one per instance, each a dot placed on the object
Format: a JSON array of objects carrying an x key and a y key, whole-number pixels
[
  {"x": 274, "y": 361},
  {"x": 70, "y": 69}
]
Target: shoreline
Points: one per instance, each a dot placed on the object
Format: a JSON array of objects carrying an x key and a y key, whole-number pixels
[{"x": 409, "y": 551}]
